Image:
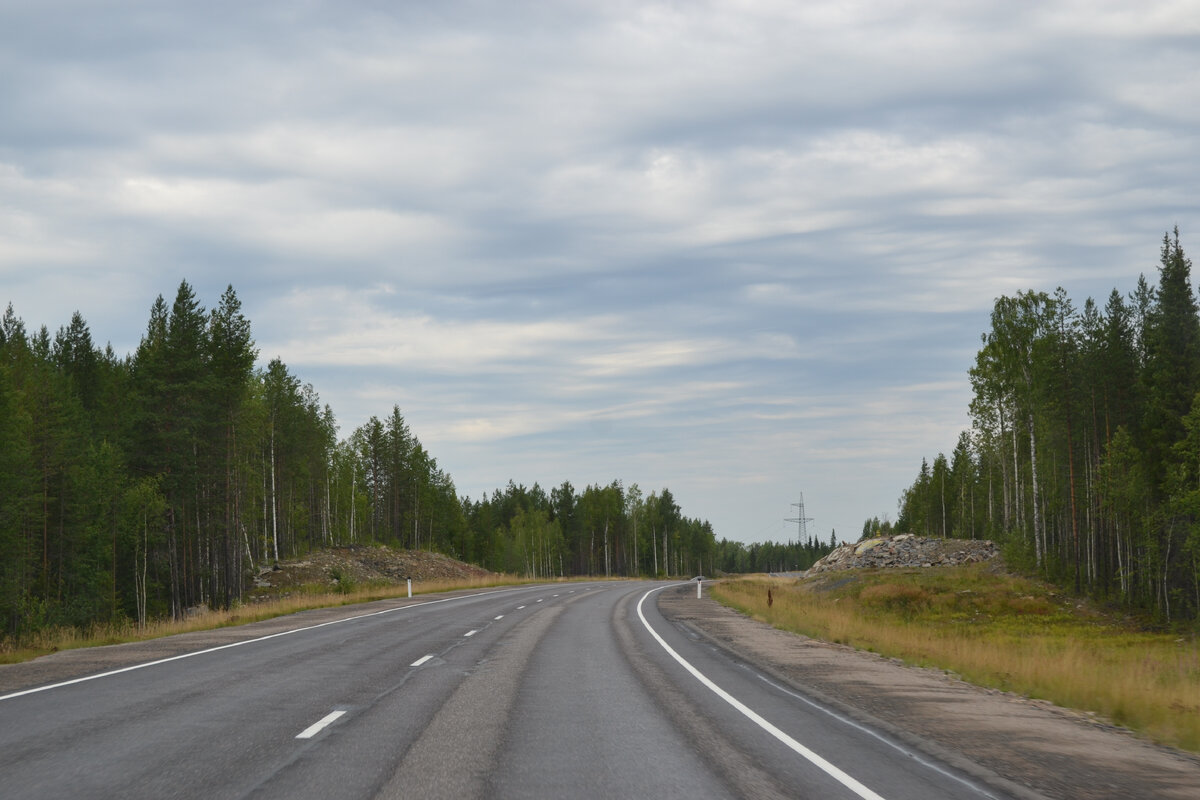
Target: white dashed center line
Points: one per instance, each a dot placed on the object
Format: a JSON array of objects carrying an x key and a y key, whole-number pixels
[
  {"x": 421, "y": 660},
  {"x": 319, "y": 725},
  {"x": 470, "y": 633}
]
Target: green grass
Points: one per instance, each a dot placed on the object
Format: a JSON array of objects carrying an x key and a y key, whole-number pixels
[{"x": 996, "y": 630}]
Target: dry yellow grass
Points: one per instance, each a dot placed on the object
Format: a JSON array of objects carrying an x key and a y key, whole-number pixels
[
  {"x": 998, "y": 631},
  {"x": 51, "y": 640}
]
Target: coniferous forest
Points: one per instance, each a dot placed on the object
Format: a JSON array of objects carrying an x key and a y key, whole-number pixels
[
  {"x": 1084, "y": 454},
  {"x": 137, "y": 487}
]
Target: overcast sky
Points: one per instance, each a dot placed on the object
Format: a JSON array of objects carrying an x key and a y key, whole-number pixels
[{"x": 743, "y": 250}]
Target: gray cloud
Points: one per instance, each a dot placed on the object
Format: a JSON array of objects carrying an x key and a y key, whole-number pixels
[{"x": 744, "y": 250}]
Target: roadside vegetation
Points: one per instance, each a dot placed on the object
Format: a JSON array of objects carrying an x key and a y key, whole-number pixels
[
  {"x": 305, "y": 597},
  {"x": 997, "y": 630},
  {"x": 1083, "y": 457}
]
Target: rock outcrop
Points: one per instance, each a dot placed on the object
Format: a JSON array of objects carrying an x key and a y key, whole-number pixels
[{"x": 906, "y": 550}]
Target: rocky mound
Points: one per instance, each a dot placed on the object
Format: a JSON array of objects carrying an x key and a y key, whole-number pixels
[
  {"x": 906, "y": 550},
  {"x": 359, "y": 565}
]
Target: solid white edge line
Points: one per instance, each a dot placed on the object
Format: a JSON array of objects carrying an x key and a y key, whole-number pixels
[
  {"x": 826, "y": 767},
  {"x": 877, "y": 735},
  {"x": 181, "y": 656},
  {"x": 319, "y": 725},
  {"x": 421, "y": 660}
]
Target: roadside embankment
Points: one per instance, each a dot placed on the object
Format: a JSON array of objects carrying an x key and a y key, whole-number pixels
[
  {"x": 997, "y": 630},
  {"x": 323, "y": 578}
]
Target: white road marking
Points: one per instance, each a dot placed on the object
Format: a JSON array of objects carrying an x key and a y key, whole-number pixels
[
  {"x": 421, "y": 660},
  {"x": 470, "y": 633},
  {"x": 540, "y": 599},
  {"x": 319, "y": 725},
  {"x": 828, "y": 768},
  {"x": 181, "y": 656},
  {"x": 499, "y": 617},
  {"x": 520, "y": 607},
  {"x": 883, "y": 739}
]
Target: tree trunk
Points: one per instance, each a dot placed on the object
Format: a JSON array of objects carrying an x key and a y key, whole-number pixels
[
  {"x": 654, "y": 547},
  {"x": 1038, "y": 537},
  {"x": 666, "y": 561},
  {"x": 607, "y": 572},
  {"x": 274, "y": 501}
]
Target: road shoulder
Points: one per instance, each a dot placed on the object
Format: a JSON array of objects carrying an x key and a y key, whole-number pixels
[{"x": 1036, "y": 748}]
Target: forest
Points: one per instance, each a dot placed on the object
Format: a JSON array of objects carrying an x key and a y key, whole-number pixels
[
  {"x": 1083, "y": 457},
  {"x": 138, "y": 487}
]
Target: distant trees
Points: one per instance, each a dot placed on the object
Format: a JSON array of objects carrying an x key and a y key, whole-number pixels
[
  {"x": 603, "y": 530},
  {"x": 769, "y": 556},
  {"x": 1084, "y": 453}
]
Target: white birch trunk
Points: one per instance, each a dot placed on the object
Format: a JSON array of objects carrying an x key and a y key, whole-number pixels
[
  {"x": 274, "y": 501},
  {"x": 1038, "y": 538}
]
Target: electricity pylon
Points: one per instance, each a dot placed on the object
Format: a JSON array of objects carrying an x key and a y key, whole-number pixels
[{"x": 801, "y": 520}]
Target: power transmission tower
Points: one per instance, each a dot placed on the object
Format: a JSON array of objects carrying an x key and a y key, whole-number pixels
[{"x": 801, "y": 520}]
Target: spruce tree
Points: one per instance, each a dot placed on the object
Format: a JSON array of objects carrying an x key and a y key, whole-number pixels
[{"x": 1172, "y": 372}]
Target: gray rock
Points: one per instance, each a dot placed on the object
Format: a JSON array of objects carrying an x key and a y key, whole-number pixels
[{"x": 906, "y": 550}]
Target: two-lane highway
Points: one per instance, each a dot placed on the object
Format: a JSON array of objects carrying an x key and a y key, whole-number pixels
[{"x": 562, "y": 690}]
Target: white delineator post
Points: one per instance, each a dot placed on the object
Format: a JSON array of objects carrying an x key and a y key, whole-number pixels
[
  {"x": 698, "y": 585},
  {"x": 409, "y": 586}
]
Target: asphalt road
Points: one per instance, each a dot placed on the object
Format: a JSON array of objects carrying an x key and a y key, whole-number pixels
[{"x": 565, "y": 690}]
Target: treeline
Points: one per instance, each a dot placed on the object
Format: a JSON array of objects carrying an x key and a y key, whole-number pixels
[
  {"x": 1084, "y": 452},
  {"x": 141, "y": 486},
  {"x": 770, "y": 556},
  {"x": 610, "y": 530},
  {"x": 603, "y": 530}
]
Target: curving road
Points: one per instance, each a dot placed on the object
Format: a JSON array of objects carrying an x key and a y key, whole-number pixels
[{"x": 564, "y": 690}]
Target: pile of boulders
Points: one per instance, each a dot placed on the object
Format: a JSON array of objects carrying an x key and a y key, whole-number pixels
[{"x": 906, "y": 550}]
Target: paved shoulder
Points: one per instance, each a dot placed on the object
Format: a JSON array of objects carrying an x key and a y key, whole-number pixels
[{"x": 1033, "y": 746}]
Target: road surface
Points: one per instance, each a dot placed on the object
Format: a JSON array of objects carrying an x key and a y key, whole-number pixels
[{"x": 564, "y": 690}]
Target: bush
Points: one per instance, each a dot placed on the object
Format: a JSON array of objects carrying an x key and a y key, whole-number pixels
[{"x": 345, "y": 582}]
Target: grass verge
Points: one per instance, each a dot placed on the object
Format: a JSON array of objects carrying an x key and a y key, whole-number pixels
[
  {"x": 308, "y": 597},
  {"x": 996, "y": 630}
]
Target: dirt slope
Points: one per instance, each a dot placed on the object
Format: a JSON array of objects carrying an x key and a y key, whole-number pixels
[{"x": 360, "y": 565}]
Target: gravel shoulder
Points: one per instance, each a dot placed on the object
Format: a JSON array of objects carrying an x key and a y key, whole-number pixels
[{"x": 1032, "y": 748}]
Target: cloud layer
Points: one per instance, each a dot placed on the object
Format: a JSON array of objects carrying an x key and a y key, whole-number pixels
[{"x": 740, "y": 249}]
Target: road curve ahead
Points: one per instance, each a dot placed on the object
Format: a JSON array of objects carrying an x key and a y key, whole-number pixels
[{"x": 552, "y": 691}]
